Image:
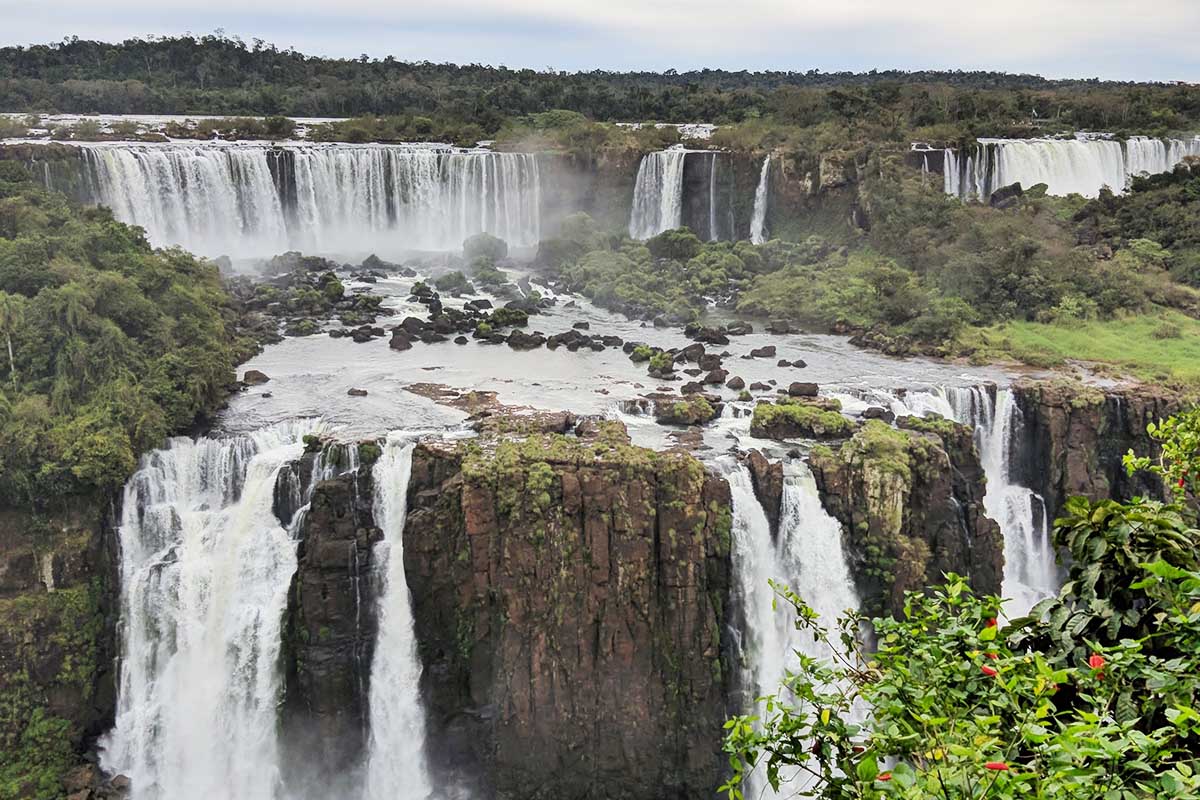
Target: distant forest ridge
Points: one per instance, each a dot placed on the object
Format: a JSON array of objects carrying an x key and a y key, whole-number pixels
[{"x": 223, "y": 75}]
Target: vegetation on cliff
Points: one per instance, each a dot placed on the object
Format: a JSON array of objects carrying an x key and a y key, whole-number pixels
[
  {"x": 1094, "y": 694},
  {"x": 109, "y": 346}
]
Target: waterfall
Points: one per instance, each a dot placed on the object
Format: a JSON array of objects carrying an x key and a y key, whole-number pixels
[
  {"x": 1083, "y": 165},
  {"x": 205, "y": 571},
  {"x": 396, "y": 764},
  {"x": 758, "y": 219},
  {"x": 1030, "y": 570},
  {"x": 257, "y": 200},
  {"x": 713, "y": 234},
  {"x": 806, "y": 555},
  {"x": 658, "y": 194}
]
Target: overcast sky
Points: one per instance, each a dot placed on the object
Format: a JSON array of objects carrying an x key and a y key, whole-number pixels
[{"x": 1117, "y": 39}]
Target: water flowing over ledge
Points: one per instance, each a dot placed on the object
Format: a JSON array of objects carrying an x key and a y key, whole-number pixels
[
  {"x": 1067, "y": 166},
  {"x": 758, "y": 219},
  {"x": 247, "y": 200}
]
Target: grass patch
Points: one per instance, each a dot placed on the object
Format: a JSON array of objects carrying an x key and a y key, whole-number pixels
[{"x": 1135, "y": 344}]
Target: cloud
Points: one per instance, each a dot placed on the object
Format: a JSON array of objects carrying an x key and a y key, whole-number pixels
[{"x": 1055, "y": 37}]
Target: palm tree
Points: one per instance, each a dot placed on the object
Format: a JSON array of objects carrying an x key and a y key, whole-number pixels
[{"x": 12, "y": 314}]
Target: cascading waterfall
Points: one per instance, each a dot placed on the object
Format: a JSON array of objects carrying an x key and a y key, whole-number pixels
[
  {"x": 1030, "y": 571},
  {"x": 258, "y": 200},
  {"x": 205, "y": 571},
  {"x": 396, "y": 765},
  {"x": 758, "y": 219},
  {"x": 658, "y": 193},
  {"x": 1083, "y": 165},
  {"x": 807, "y": 555}
]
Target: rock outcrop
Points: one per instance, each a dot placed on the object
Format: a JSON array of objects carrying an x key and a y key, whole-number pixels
[
  {"x": 910, "y": 500},
  {"x": 569, "y": 599},
  {"x": 330, "y": 632},
  {"x": 1073, "y": 438},
  {"x": 58, "y": 601}
]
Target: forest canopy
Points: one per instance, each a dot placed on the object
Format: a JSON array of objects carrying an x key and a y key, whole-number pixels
[{"x": 106, "y": 346}]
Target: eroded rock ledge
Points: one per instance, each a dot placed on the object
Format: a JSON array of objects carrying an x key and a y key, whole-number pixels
[
  {"x": 570, "y": 598},
  {"x": 910, "y": 500}
]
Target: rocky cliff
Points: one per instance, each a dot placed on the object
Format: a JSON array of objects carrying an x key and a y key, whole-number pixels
[
  {"x": 569, "y": 597},
  {"x": 58, "y": 598},
  {"x": 1072, "y": 438},
  {"x": 329, "y": 634},
  {"x": 910, "y": 500}
]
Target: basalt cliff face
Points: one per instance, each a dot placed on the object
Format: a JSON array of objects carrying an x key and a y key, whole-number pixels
[
  {"x": 1072, "y": 438},
  {"x": 910, "y": 500},
  {"x": 569, "y": 600},
  {"x": 58, "y": 613}
]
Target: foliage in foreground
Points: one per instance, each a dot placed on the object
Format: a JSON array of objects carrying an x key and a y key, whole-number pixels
[
  {"x": 106, "y": 346},
  {"x": 1093, "y": 695}
]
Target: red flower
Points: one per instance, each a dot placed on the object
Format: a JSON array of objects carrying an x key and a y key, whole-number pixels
[
  {"x": 989, "y": 671},
  {"x": 993, "y": 656},
  {"x": 884, "y": 776},
  {"x": 1096, "y": 661},
  {"x": 991, "y": 623},
  {"x": 1181, "y": 483},
  {"x": 996, "y": 765}
]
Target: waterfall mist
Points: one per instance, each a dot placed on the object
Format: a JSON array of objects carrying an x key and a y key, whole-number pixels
[{"x": 247, "y": 200}]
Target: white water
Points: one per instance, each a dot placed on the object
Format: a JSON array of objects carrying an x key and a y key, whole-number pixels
[
  {"x": 1030, "y": 570},
  {"x": 758, "y": 219},
  {"x": 396, "y": 765},
  {"x": 205, "y": 570},
  {"x": 247, "y": 200},
  {"x": 658, "y": 194},
  {"x": 1067, "y": 166},
  {"x": 807, "y": 555}
]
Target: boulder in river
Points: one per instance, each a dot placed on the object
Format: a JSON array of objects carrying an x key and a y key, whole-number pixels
[
  {"x": 255, "y": 378},
  {"x": 802, "y": 389}
]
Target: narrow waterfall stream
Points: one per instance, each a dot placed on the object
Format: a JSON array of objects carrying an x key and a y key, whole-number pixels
[
  {"x": 205, "y": 570},
  {"x": 758, "y": 219},
  {"x": 396, "y": 763},
  {"x": 806, "y": 555},
  {"x": 1030, "y": 570}
]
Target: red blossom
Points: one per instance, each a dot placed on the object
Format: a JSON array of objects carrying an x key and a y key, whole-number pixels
[
  {"x": 993, "y": 656},
  {"x": 991, "y": 623},
  {"x": 999, "y": 766},
  {"x": 1096, "y": 661},
  {"x": 989, "y": 671},
  {"x": 884, "y": 776}
]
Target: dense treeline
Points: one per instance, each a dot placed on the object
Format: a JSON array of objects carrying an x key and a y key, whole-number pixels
[
  {"x": 213, "y": 75},
  {"x": 106, "y": 346}
]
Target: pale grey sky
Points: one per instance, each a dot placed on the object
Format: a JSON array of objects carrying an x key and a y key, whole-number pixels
[{"x": 1116, "y": 39}]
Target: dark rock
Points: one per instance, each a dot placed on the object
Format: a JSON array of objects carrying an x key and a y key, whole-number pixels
[
  {"x": 254, "y": 377},
  {"x": 692, "y": 387},
  {"x": 759, "y": 386},
  {"x": 767, "y": 478},
  {"x": 519, "y": 340},
  {"x": 357, "y": 392},
  {"x": 460, "y": 340},
  {"x": 582, "y": 326},
  {"x": 779, "y": 326},
  {"x": 1006, "y": 196},
  {"x": 693, "y": 352},
  {"x": 783, "y": 363},
  {"x": 736, "y": 383},
  {"x": 763, "y": 352},
  {"x": 801, "y": 389},
  {"x": 400, "y": 340},
  {"x": 716, "y": 376},
  {"x": 709, "y": 361},
  {"x": 799, "y": 363},
  {"x": 739, "y": 328},
  {"x": 875, "y": 412}
]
